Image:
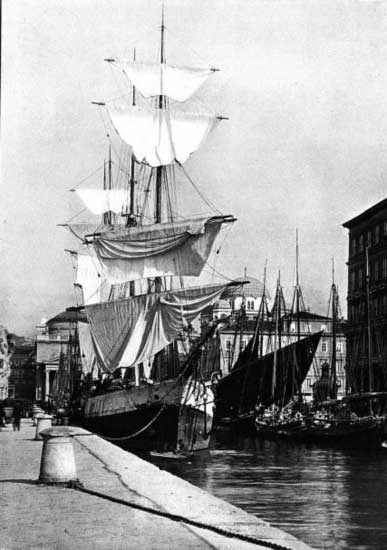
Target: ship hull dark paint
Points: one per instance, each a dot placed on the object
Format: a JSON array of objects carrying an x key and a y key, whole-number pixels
[
  {"x": 183, "y": 428},
  {"x": 364, "y": 434},
  {"x": 355, "y": 434}
]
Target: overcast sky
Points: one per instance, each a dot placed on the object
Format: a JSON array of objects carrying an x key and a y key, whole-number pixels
[{"x": 302, "y": 82}]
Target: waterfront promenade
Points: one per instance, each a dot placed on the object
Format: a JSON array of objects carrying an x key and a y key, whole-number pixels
[{"x": 52, "y": 517}]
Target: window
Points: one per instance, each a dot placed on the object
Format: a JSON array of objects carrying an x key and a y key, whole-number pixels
[
  {"x": 360, "y": 277},
  {"x": 352, "y": 280},
  {"x": 369, "y": 238},
  {"x": 339, "y": 347},
  {"x": 361, "y": 243},
  {"x": 377, "y": 234},
  {"x": 376, "y": 270},
  {"x": 353, "y": 247},
  {"x": 250, "y": 305},
  {"x": 324, "y": 347}
]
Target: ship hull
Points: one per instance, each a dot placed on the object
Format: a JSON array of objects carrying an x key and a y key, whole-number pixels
[
  {"x": 164, "y": 417},
  {"x": 366, "y": 432}
]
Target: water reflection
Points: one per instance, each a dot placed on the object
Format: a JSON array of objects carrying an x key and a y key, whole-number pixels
[{"x": 329, "y": 498}]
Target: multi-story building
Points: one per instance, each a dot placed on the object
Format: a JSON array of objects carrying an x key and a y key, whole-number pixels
[
  {"x": 52, "y": 340},
  {"x": 4, "y": 364},
  {"x": 22, "y": 369},
  {"x": 367, "y": 300},
  {"x": 309, "y": 324}
]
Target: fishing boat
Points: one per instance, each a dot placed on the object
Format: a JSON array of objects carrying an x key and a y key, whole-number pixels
[
  {"x": 144, "y": 389},
  {"x": 248, "y": 397},
  {"x": 347, "y": 421}
]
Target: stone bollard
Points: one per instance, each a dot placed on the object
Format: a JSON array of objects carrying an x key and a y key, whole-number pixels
[
  {"x": 44, "y": 422},
  {"x": 36, "y": 416},
  {"x": 58, "y": 461}
]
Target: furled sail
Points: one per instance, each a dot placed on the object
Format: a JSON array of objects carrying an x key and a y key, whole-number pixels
[
  {"x": 179, "y": 248},
  {"x": 99, "y": 201},
  {"x": 131, "y": 331},
  {"x": 153, "y": 79},
  {"x": 160, "y": 137}
]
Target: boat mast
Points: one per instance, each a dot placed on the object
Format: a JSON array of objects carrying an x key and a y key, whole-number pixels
[
  {"x": 131, "y": 218},
  {"x": 297, "y": 291},
  {"x": 277, "y": 333},
  {"x": 334, "y": 299},
  {"x": 160, "y": 170},
  {"x": 107, "y": 185},
  {"x": 161, "y": 102}
]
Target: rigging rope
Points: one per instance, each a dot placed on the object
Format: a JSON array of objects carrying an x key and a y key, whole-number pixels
[{"x": 201, "y": 195}]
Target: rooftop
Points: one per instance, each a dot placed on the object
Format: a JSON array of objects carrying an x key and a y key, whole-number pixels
[
  {"x": 254, "y": 288},
  {"x": 375, "y": 209},
  {"x": 70, "y": 315}
]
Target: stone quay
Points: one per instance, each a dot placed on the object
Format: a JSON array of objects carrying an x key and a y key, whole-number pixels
[{"x": 39, "y": 516}]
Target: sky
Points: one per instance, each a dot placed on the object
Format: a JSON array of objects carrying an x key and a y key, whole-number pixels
[{"x": 303, "y": 84}]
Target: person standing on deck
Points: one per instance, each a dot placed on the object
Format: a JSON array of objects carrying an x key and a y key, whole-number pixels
[{"x": 16, "y": 417}]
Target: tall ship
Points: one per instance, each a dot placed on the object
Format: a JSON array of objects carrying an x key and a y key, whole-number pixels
[{"x": 140, "y": 267}]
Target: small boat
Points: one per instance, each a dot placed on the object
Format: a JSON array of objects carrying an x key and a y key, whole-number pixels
[{"x": 169, "y": 455}]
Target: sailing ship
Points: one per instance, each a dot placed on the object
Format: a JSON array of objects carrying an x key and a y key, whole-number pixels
[
  {"x": 134, "y": 265},
  {"x": 259, "y": 381}
]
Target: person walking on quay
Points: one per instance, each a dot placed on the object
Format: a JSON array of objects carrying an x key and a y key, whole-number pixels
[{"x": 16, "y": 417}]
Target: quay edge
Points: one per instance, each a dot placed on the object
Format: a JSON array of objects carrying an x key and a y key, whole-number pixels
[
  {"x": 110, "y": 470},
  {"x": 175, "y": 496}
]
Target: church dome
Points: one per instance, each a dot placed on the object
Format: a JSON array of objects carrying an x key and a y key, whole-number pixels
[
  {"x": 70, "y": 315},
  {"x": 252, "y": 289}
]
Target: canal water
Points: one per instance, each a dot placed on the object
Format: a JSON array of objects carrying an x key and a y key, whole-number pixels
[{"x": 331, "y": 498}]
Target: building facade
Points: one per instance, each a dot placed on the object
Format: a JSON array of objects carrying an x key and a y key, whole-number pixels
[
  {"x": 4, "y": 363},
  {"x": 52, "y": 341},
  {"x": 22, "y": 369},
  {"x": 367, "y": 300}
]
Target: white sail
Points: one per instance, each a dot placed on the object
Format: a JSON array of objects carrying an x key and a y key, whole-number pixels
[
  {"x": 179, "y": 248},
  {"x": 160, "y": 137},
  {"x": 133, "y": 330},
  {"x": 153, "y": 79},
  {"x": 99, "y": 201},
  {"x": 90, "y": 277}
]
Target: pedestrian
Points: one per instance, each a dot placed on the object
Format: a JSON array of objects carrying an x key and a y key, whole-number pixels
[
  {"x": 16, "y": 417},
  {"x": 2, "y": 416}
]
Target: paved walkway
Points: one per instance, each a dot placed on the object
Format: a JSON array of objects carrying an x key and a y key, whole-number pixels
[{"x": 49, "y": 517}]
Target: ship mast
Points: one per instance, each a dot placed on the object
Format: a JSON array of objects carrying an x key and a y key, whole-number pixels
[
  {"x": 107, "y": 184},
  {"x": 297, "y": 290},
  {"x": 131, "y": 219},
  {"x": 334, "y": 299},
  {"x": 160, "y": 170},
  {"x": 161, "y": 102}
]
